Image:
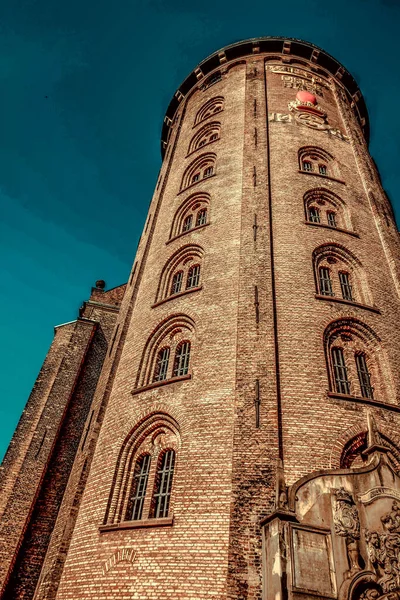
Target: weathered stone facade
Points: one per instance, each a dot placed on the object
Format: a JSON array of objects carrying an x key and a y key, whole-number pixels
[{"x": 251, "y": 368}]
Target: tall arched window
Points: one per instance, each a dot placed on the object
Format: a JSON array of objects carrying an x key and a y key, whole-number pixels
[
  {"x": 193, "y": 278},
  {"x": 139, "y": 487},
  {"x": 162, "y": 363},
  {"x": 182, "y": 357},
  {"x": 145, "y": 490},
  {"x": 201, "y": 168},
  {"x": 193, "y": 212},
  {"x": 163, "y": 484},
  {"x": 209, "y": 109},
  {"x": 326, "y": 208},
  {"x": 315, "y": 160},
  {"x": 357, "y": 362}
]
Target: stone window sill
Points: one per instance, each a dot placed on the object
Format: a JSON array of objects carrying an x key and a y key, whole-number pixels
[
  {"x": 196, "y": 183},
  {"x": 186, "y": 232},
  {"x": 173, "y": 296},
  {"x": 332, "y": 228},
  {"x": 361, "y": 400},
  {"x": 323, "y": 176},
  {"x": 142, "y": 524},
  {"x": 156, "y": 384},
  {"x": 348, "y": 302}
]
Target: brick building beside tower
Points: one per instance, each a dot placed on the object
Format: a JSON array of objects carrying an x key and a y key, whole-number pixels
[{"x": 226, "y": 425}]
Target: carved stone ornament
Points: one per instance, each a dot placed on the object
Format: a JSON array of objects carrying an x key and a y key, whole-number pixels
[
  {"x": 347, "y": 524},
  {"x": 384, "y": 551},
  {"x": 309, "y": 120}
]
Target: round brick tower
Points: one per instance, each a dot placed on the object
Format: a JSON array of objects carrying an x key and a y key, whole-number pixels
[{"x": 256, "y": 344}]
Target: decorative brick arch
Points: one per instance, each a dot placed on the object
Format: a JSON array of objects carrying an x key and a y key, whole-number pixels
[
  {"x": 182, "y": 259},
  {"x": 172, "y": 331},
  {"x": 198, "y": 170},
  {"x": 211, "y": 132},
  {"x": 190, "y": 206},
  {"x": 209, "y": 109},
  {"x": 317, "y": 157},
  {"x": 326, "y": 200},
  {"x": 356, "y": 337},
  {"x": 145, "y": 432},
  {"x": 337, "y": 258}
]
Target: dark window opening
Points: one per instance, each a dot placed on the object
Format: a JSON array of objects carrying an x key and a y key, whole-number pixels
[
  {"x": 322, "y": 169},
  {"x": 342, "y": 383},
  {"x": 177, "y": 282},
  {"x": 331, "y": 219},
  {"x": 313, "y": 214},
  {"x": 193, "y": 277},
  {"x": 201, "y": 217},
  {"x": 139, "y": 486},
  {"x": 307, "y": 165},
  {"x": 163, "y": 486},
  {"x": 347, "y": 293},
  {"x": 367, "y": 391},
  {"x": 187, "y": 223},
  {"x": 208, "y": 172},
  {"x": 182, "y": 356},
  {"x": 160, "y": 373},
  {"x": 325, "y": 283}
]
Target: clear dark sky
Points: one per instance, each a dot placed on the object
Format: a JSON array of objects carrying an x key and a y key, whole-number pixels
[{"x": 83, "y": 90}]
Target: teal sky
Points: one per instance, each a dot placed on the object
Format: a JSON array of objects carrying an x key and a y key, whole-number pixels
[{"x": 83, "y": 90}]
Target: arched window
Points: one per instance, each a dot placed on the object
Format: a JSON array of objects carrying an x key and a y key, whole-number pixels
[
  {"x": 353, "y": 451},
  {"x": 340, "y": 274},
  {"x": 201, "y": 168},
  {"x": 332, "y": 211},
  {"x": 210, "y": 108},
  {"x": 201, "y": 217},
  {"x": 187, "y": 223},
  {"x": 325, "y": 283},
  {"x": 193, "y": 212},
  {"x": 145, "y": 490},
  {"x": 178, "y": 269},
  {"x": 357, "y": 361},
  {"x": 182, "y": 357},
  {"x": 163, "y": 484},
  {"x": 193, "y": 278},
  {"x": 317, "y": 161},
  {"x": 139, "y": 487},
  {"x": 161, "y": 370},
  {"x": 207, "y": 134},
  {"x": 176, "y": 283},
  {"x": 313, "y": 214},
  {"x": 172, "y": 337}
]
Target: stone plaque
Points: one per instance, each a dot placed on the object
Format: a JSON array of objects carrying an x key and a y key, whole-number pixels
[{"x": 312, "y": 561}]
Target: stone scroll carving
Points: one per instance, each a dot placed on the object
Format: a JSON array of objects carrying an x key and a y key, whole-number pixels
[
  {"x": 347, "y": 524},
  {"x": 384, "y": 550}
]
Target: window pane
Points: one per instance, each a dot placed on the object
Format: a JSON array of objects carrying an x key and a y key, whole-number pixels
[
  {"x": 342, "y": 383},
  {"x": 325, "y": 283},
  {"x": 193, "y": 277},
  {"x": 162, "y": 364},
  {"x": 201, "y": 217},
  {"x": 195, "y": 177},
  {"x": 364, "y": 376},
  {"x": 307, "y": 165},
  {"x": 331, "y": 219},
  {"x": 313, "y": 214},
  {"x": 177, "y": 282},
  {"x": 345, "y": 285},
  {"x": 163, "y": 485},
  {"x": 187, "y": 223},
  {"x": 208, "y": 171},
  {"x": 139, "y": 486},
  {"x": 322, "y": 169},
  {"x": 182, "y": 355}
]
